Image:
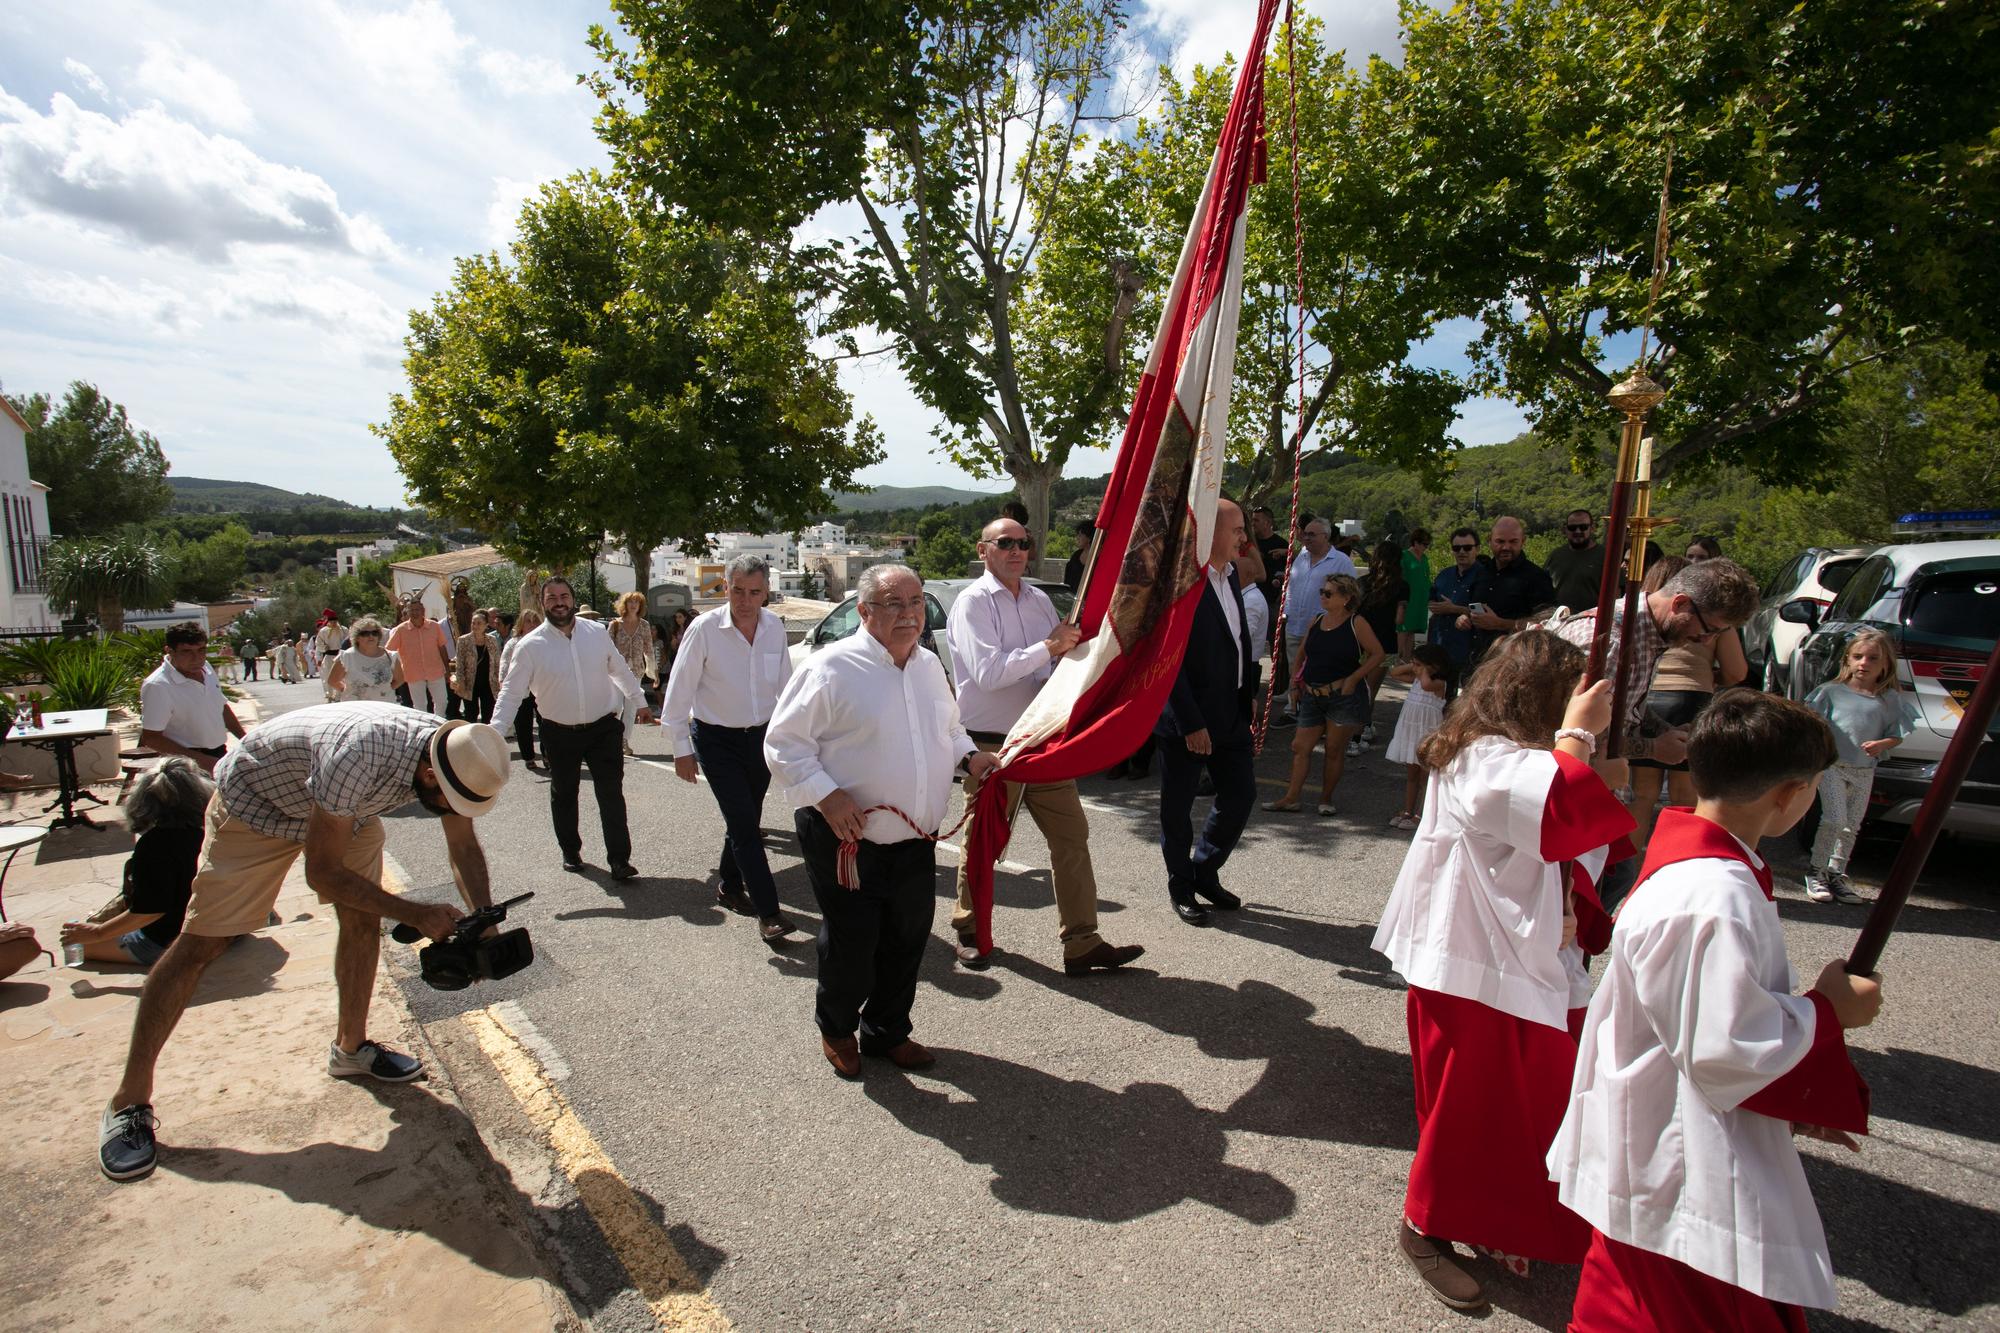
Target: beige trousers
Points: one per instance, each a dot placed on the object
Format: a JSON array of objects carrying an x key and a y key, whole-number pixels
[
  {"x": 242, "y": 871},
  {"x": 1058, "y": 813}
]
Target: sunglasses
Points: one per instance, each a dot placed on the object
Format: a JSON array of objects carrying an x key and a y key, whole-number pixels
[
  {"x": 1456, "y": 547},
  {"x": 1015, "y": 543},
  {"x": 1576, "y": 527}
]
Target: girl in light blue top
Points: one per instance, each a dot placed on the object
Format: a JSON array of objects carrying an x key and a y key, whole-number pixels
[{"x": 1864, "y": 704}]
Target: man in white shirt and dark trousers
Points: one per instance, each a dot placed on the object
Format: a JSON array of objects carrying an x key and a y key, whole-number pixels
[
  {"x": 1309, "y": 573},
  {"x": 731, "y": 665},
  {"x": 869, "y": 723},
  {"x": 181, "y": 708},
  {"x": 575, "y": 675},
  {"x": 1005, "y": 637}
]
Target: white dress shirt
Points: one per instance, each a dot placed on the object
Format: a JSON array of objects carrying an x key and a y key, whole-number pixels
[
  {"x": 1258, "y": 612},
  {"x": 187, "y": 712},
  {"x": 722, "y": 678},
  {"x": 575, "y": 678},
  {"x": 1695, "y": 1016},
  {"x": 1218, "y": 579},
  {"x": 850, "y": 720},
  {"x": 1302, "y": 603},
  {"x": 999, "y": 651}
]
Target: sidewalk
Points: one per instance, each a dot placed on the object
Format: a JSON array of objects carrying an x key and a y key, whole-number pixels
[{"x": 284, "y": 1198}]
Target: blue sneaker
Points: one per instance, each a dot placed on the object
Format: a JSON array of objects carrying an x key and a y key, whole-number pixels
[
  {"x": 126, "y": 1149},
  {"x": 373, "y": 1060}
]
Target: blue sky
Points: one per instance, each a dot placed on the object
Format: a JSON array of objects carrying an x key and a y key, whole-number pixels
[{"x": 222, "y": 213}]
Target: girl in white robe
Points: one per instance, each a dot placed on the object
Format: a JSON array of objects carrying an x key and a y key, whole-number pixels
[{"x": 1476, "y": 925}]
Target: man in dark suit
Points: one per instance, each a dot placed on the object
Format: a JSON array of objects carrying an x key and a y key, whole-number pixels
[{"x": 1206, "y": 725}]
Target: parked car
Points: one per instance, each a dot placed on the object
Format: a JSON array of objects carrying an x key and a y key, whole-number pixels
[
  {"x": 1939, "y": 602},
  {"x": 939, "y": 594},
  {"x": 1816, "y": 574}
]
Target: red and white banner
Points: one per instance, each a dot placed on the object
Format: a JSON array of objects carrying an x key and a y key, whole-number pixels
[{"x": 1157, "y": 519}]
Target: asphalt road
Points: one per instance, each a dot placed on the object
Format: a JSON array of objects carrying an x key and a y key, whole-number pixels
[{"x": 1216, "y": 1138}]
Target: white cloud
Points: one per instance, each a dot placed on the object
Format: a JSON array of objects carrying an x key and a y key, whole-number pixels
[
  {"x": 147, "y": 305},
  {"x": 418, "y": 48},
  {"x": 505, "y": 211},
  {"x": 194, "y": 85},
  {"x": 86, "y": 79},
  {"x": 518, "y": 75},
  {"x": 164, "y": 182}
]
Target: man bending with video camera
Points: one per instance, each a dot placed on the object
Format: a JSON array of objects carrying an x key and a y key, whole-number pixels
[{"x": 316, "y": 781}]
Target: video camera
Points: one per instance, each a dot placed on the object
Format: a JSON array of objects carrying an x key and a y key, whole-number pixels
[{"x": 468, "y": 955}]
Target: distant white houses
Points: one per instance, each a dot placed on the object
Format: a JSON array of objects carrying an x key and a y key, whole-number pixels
[
  {"x": 24, "y": 504},
  {"x": 347, "y": 560}
]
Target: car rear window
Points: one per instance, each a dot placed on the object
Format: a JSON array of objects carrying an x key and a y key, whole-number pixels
[
  {"x": 1958, "y": 604},
  {"x": 1835, "y": 574}
]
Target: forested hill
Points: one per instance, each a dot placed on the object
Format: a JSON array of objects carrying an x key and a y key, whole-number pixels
[{"x": 203, "y": 495}]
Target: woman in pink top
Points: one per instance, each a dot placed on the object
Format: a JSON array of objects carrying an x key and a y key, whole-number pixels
[{"x": 419, "y": 643}]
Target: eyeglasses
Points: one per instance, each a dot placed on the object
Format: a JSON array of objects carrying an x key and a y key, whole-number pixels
[
  {"x": 1456, "y": 547},
  {"x": 1014, "y": 543},
  {"x": 897, "y": 608},
  {"x": 1577, "y": 527},
  {"x": 1708, "y": 631}
]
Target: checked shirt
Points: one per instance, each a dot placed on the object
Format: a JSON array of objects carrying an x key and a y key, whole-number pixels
[{"x": 353, "y": 760}]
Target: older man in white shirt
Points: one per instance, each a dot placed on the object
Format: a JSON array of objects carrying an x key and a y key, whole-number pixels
[
  {"x": 181, "y": 708},
  {"x": 1310, "y": 570},
  {"x": 1005, "y": 637},
  {"x": 731, "y": 665},
  {"x": 866, "y": 742},
  {"x": 575, "y": 675}
]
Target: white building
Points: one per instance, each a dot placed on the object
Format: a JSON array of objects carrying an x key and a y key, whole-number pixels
[
  {"x": 781, "y": 549},
  {"x": 24, "y": 504},
  {"x": 347, "y": 560}
]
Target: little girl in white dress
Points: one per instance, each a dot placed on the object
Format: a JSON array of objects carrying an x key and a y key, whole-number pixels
[{"x": 1423, "y": 709}]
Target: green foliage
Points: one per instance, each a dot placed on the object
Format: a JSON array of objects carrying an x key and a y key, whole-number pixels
[
  {"x": 108, "y": 574},
  {"x": 495, "y": 585},
  {"x": 1830, "y": 187},
  {"x": 139, "y": 650},
  {"x": 97, "y": 675},
  {"x": 101, "y": 472},
  {"x": 625, "y": 370},
  {"x": 25, "y": 661},
  {"x": 208, "y": 570},
  {"x": 943, "y": 549},
  {"x": 204, "y": 495},
  {"x": 963, "y": 136}
]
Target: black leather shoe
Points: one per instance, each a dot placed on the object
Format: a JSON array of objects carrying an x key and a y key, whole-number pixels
[
  {"x": 732, "y": 898},
  {"x": 1191, "y": 912},
  {"x": 1221, "y": 897},
  {"x": 574, "y": 865},
  {"x": 624, "y": 870}
]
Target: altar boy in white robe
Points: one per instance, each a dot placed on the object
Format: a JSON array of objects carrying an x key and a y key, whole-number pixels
[{"x": 1698, "y": 1062}]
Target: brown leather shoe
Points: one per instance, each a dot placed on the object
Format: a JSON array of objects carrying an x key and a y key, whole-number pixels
[
  {"x": 1105, "y": 956},
  {"x": 968, "y": 955},
  {"x": 908, "y": 1054},
  {"x": 1436, "y": 1263},
  {"x": 844, "y": 1055}
]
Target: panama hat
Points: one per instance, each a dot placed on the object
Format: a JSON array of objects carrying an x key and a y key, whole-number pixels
[{"x": 470, "y": 760}]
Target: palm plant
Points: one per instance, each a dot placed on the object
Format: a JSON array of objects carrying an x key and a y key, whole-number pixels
[
  {"x": 108, "y": 574},
  {"x": 98, "y": 677}
]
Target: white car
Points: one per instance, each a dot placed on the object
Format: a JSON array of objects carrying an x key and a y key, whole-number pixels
[
  {"x": 1816, "y": 575},
  {"x": 939, "y": 594}
]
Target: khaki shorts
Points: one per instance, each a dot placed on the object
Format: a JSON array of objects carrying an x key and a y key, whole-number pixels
[{"x": 242, "y": 871}]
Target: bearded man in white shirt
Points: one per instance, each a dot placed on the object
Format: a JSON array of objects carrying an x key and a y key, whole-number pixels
[
  {"x": 731, "y": 664},
  {"x": 575, "y": 675},
  {"x": 1005, "y": 637},
  {"x": 866, "y": 742}
]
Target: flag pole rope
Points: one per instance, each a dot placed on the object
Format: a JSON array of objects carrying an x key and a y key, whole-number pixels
[
  {"x": 847, "y": 861},
  {"x": 1299, "y": 293}
]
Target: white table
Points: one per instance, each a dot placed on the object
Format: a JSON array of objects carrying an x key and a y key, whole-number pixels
[{"x": 60, "y": 734}]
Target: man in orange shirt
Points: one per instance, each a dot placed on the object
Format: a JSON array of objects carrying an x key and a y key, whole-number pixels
[{"x": 420, "y": 644}]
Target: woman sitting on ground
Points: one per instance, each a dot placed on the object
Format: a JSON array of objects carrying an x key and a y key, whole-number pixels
[{"x": 165, "y": 810}]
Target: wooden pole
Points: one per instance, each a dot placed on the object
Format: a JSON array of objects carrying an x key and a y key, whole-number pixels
[{"x": 1924, "y": 829}]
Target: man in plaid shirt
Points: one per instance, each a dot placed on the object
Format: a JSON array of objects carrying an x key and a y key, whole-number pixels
[{"x": 316, "y": 782}]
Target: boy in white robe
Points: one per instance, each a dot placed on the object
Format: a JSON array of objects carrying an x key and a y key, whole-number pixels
[{"x": 1698, "y": 1062}]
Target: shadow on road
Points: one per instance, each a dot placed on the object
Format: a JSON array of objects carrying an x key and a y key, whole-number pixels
[
  {"x": 1935, "y": 1091},
  {"x": 1071, "y": 1148},
  {"x": 1907, "y": 1245}
]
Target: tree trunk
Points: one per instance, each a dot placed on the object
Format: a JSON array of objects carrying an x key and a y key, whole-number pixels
[
  {"x": 111, "y": 614},
  {"x": 1034, "y": 481},
  {"x": 641, "y": 556}
]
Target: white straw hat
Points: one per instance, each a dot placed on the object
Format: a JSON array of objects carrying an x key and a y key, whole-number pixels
[{"x": 470, "y": 760}]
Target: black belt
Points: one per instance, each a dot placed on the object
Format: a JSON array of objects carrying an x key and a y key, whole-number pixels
[
  {"x": 988, "y": 737},
  {"x": 586, "y": 726},
  {"x": 212, "y": 751},
  {"x": 731, "y": 731}
]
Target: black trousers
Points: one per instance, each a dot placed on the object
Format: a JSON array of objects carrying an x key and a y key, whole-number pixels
[
  {"x": 479, "y": 708},
  {"x": 249, "y": 668},
  {"x": 524, "y": 729},
  {"x": 600, "y": 746},
  {"x": 733, "y": 758},
  {"x": 1191, "y": 863},
  {"x": 871, "y": 939}
]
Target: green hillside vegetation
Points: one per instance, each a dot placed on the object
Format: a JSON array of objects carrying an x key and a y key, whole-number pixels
[
  {"x": 204, "y": 495},
  {"x": 909, "y": 497}
]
